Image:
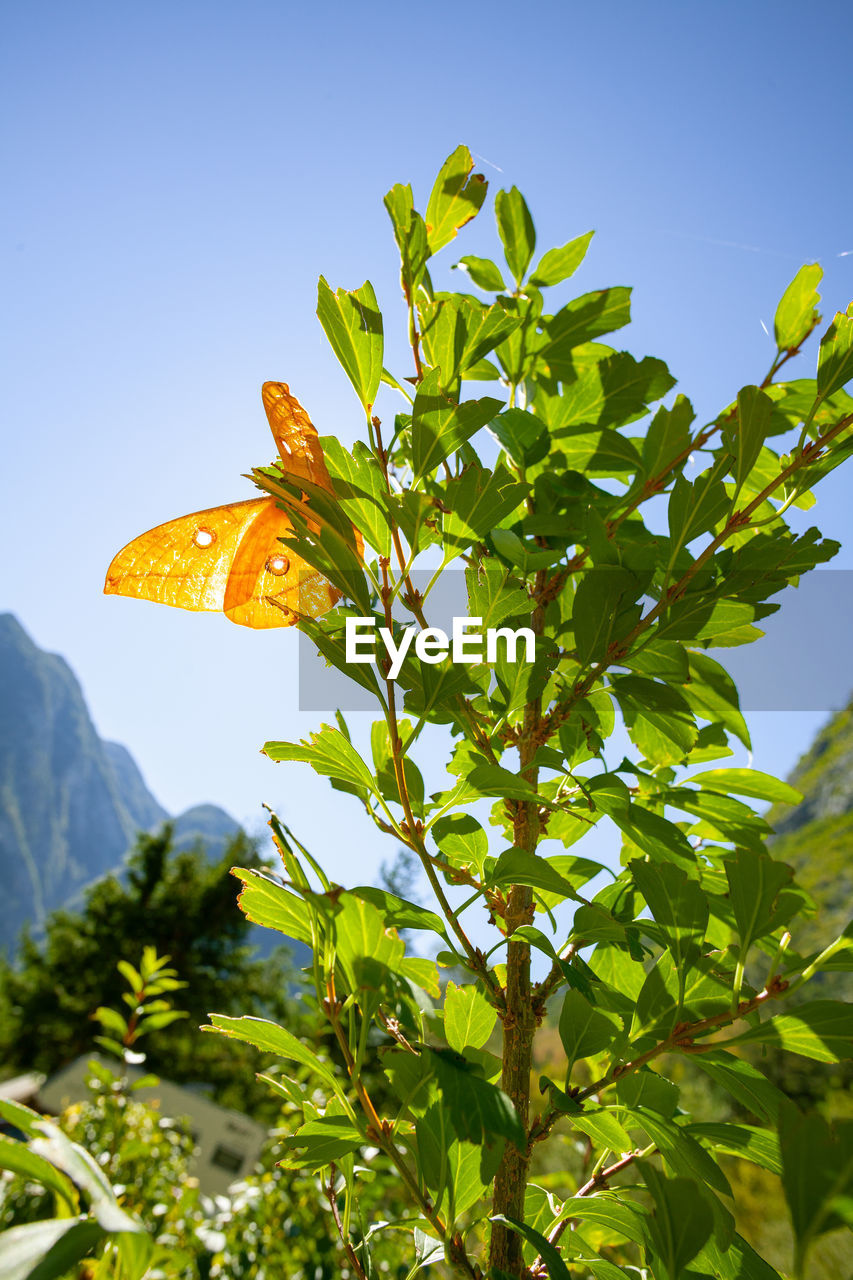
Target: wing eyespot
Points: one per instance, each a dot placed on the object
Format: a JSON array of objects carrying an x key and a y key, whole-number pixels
[
  {"x": 204, "y": 537},
  {"x": 277, "y": 565}
]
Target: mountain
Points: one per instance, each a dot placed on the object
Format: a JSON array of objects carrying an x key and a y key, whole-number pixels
[
  {"x": 816, "y": 836},
  {"x": 70, "y": 803}
]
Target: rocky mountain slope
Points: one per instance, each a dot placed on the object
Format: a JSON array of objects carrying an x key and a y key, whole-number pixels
[
  {"x": 816, "y": 836},
  {"x": 70, "y": 803}
]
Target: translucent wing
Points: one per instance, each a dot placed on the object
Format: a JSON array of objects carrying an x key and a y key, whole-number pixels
[
  {"x": 295, "y": 435},
  {"x": 226, "y": 558}
]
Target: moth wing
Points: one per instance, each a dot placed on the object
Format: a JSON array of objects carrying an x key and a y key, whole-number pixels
[
  {"x": 295, "y": 436},
  {"x": 225, "y": 558},
  {"x": 269, "y": 585}
]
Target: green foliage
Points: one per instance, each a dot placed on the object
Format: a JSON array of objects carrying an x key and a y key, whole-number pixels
[
  {"x": 92, "y": 1222},
  {"x": 179, "y": 903},
  {"x": 107, "y": 1192},
  {"x": 690, "y": 949}
]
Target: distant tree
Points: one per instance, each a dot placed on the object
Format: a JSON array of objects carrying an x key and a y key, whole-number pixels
[
  {"x": 184, "y": 905},
  {"x": 402, "y": 875}
]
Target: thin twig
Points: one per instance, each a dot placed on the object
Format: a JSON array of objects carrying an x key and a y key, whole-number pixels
[
  {"x": 683, "y": 1035},
  {"x": 332, "y": 1198}
]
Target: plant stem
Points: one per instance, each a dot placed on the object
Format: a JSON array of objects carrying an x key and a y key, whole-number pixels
[
  {"x": 520, "y": 1019},
  {"x": 682, "y": 1036},
  {"x": 599, "y": 1180},
  {"x": 352, "y": 1257}
]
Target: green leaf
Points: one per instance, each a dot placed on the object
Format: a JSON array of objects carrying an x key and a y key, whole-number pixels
[
  {"x": 422, "y": 973},
  {"x": 268, "y": 903},
  {"x": 20, "y": 1117},
  {"x": 657, "y": 718},
  {"x": 516, "y": 230},
  {"x": 738, "y": 1261},
  {"x": 797, "y": 312},
  {"x": 696, "y": 508},
  {"x": 270, "y": 1038},
  {"x": 440, "y": 427},
  {"x": 468, "y": 1185},
  {"x": 680, "y": 1223},
  {"x": 602, "y": 451},
  {"x": 730, "y": 819},
  {"x": 136, "y": 1251},
  {"x": 604, "y": 611},
  {"x": 603, "y": 1127},
  {"x": 682, "y": 1152},
  {"x": 469, "y": 1019},
  {"x": 428, "y": 1251},
  {"x": 322, "y": 1140},
  {"x": 434, "y": 1136},
  {"x": 607, "y": 1211},
  {"x": 668, "y": 436},
  {"x": 745, "y": 438},
  {"x": 479, "y": 1111},
  {"x": 484, "y": 273},
  {"x": 655, "y": 835},
  {"x": 461, "y": 839},
  {"x": 835, "y": 362},
  {"x": 669, "y": 995},
  {"x": 584, "y": 1029},
  {"x": 556, "y": 1268},
  {"x": 111, "y": 1020},
  {"x": 612, "y": 392},
  {"x": 522, "y": 554},
  {"x": 48, "y": 1249},
  {"x": 386, "y": 774},
  {"x": 444, "y": 336},
  {"x": 646, "y": 1089},
  {"x": 352, "y": 322},
  {"x": 744, "y": 1082},
  {"x": 18, "y": 1158},
  {"x": 600, "y": 1268},
  {"x": 756, "y": 882},
  {"x": 329, "y": 636},
  {"x": 517, "y": 866},
  {"x": 411, "y": 235},
  {"x": 523, "y": 436},
  {"x": 748, "y": 1142},
  {"x": 581, "y": 320},
  {"x": 558, "y": 264},
  {"x": 747, "y": 782},
  {"x": 817, "y": 1169},
  {"x": 679, "y": 907},
  {"x": 360, "y": 489},
  {"x": 457, "y": 196},
  {"x": 156, "y": 1021},
  {"x": 478, "y": 500},
  {"x": 324, "y": 538},
  {"x": 397, "y": 912},
  {"x": 329, "y": 754},
  {"x": 487, "y": 328},
  {"x": 132, "y": 977},
  {"x": 494, "y": 594},
  {"x": 713, "y": 694},
  {"x": 84, "y": 1171},
  {"x": 485, "y": 371},
  {"x": 493, "y": 780},
  {"x": 411, "y": 1078},
  {"x": 820, "y": 1029},
  {"x": 367, "y": 950}
]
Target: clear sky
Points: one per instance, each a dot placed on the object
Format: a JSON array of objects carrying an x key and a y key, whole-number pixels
[{"x": 177, "y": 177}]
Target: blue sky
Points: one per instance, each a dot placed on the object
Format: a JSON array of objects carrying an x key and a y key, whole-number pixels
[{"x": 179, "y": 175}]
